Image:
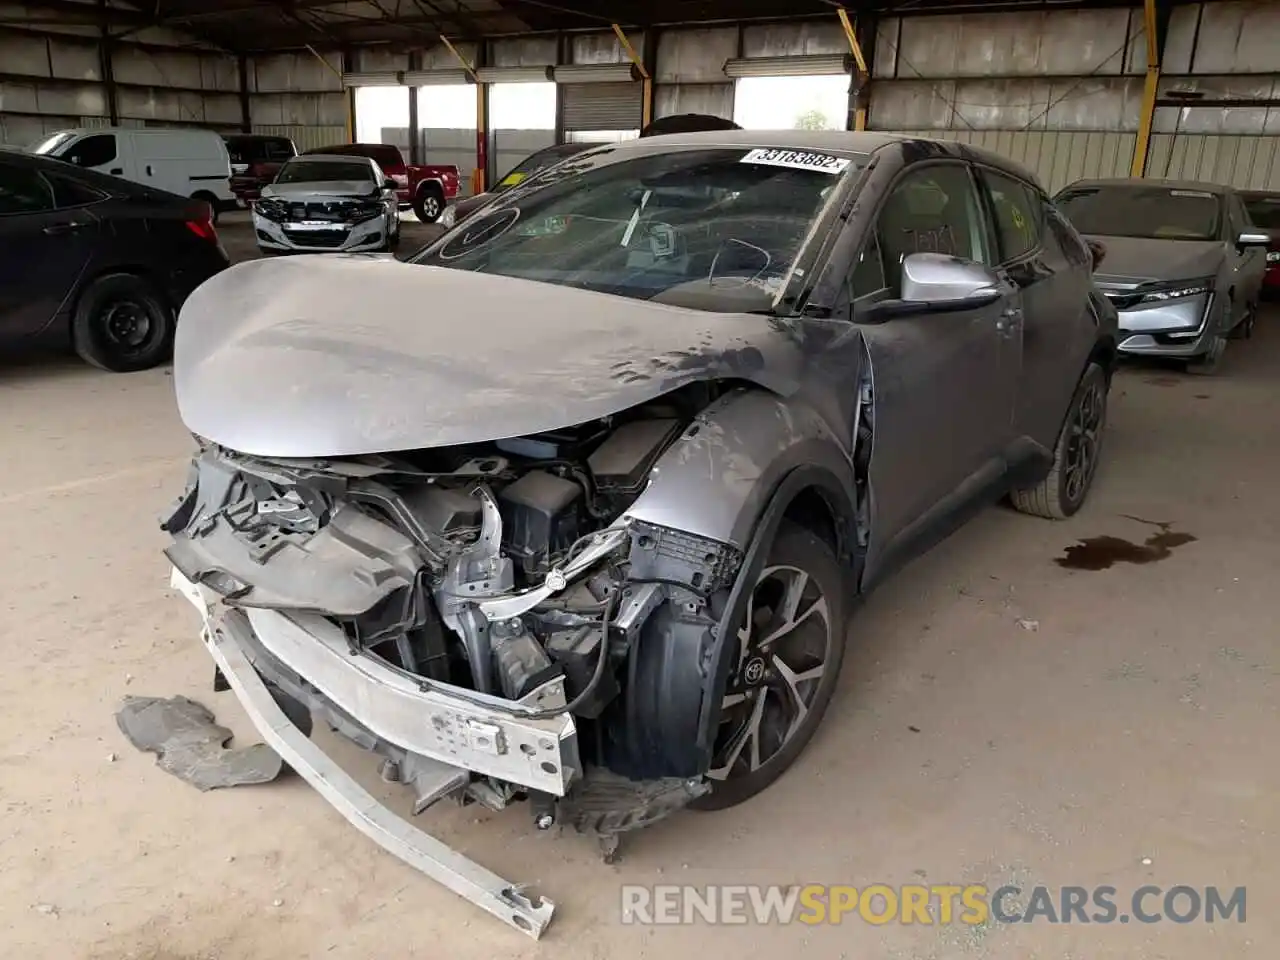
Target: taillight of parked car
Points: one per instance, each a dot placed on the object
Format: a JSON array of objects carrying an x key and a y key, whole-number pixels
[{"x": 204, "y": 228}]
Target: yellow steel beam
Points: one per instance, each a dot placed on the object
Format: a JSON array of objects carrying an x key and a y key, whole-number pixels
[
  {"x": 646, "y": 108},
  {"x": 860, "y": 112},
  {"x": 1149, "y": 89},
  {"x": 482, "y": 119}
]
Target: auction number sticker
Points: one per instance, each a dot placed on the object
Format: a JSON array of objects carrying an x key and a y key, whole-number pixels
[{"x": 797, "y": 160}]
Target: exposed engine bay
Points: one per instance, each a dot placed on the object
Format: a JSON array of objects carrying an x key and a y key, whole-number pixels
[{"x": 499, "y": 568}]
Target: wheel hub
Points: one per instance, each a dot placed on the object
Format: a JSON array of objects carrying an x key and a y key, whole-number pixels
[{"x": 754, "y": 672}]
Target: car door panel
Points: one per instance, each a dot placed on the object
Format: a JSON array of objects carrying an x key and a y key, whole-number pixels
[
  {"x": 944, "y": 383},
  {"x": 1054, "y": 281},
  {"x": 43, "y": 251},
  {"x": 1250, "y": 262}
]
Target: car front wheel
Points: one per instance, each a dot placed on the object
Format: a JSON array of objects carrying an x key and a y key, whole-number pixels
[
  {"x": 1075, "y": 458},
  {"x": 789, "y": 651}
]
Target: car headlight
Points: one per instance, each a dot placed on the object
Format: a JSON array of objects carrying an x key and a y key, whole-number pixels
[
  {"x": 1178, "y": 290},
  {"x": 368, "y": 209},
  {"x": 272, "y": 209},
  {"x": 449, "y": 217}
]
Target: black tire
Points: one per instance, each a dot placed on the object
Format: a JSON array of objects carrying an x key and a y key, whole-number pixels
[
  {"x": 122, "y": 323},
  {"x": 393, "y": 234},
  {"x": 1244, "y": 329},
  {"x": 428, "y": 204},
  {"x": 772, "y": 695},
  {"x": 1063, "y": 491},
  {"x": 1208, "y": 363}
]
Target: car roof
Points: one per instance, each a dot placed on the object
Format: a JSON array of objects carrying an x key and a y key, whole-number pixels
[
  {"x": 1260, "y": 194},
  {"x": 841, "y": 141},
  {"x": 1199, "y": 185},
  {"x": 336, "y": 157}
]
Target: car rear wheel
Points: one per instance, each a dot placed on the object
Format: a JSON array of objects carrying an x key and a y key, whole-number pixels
[
  {"x": 1075, "y": 457},
  {"x": 789, "y": 653},
  {"x": 123, "y": 323},
  {"x": 1244, "y": 329},
  {"x": 212, "y": 201},
  {"x": 428, "y": 204}
]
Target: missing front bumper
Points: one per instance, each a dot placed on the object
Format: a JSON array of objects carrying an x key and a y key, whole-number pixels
[{"x": 415, "y": 721}]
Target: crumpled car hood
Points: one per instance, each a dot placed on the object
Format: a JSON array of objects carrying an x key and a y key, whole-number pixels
[
  {"x": 346, "y": 355},
  {"x": 320, "y": 188},
  {"x": 1136, "y": 258}
]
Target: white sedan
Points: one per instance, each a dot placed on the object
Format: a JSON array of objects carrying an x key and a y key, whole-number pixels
[{"x": 327, "y": 204}]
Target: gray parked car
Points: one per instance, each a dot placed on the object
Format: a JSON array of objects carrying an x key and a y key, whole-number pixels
[
  {"x": 596, "y": 546},
  {"x": 1184, "y": 263},
  {"x": 324, "y": 204}
]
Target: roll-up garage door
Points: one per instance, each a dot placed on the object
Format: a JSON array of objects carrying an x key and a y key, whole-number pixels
[{"x": 602, "y": 106}]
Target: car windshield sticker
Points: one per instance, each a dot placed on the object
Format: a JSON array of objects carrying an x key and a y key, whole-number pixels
[
  {"x": 797, "y": 160},
  {"x": 1191, "y": 193},
  {"x": 511, "y": 179}
]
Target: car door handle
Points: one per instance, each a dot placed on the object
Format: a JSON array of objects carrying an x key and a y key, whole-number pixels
[
  {"x": 116, "y": 171},
  {"x": 57, "y": 229}
]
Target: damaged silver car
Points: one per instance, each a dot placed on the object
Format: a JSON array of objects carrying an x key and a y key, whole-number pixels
[{"x": 571, "y": 508}]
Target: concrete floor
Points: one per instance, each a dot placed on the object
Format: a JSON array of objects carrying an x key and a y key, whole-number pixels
[{"x": 1124, "y": 741}]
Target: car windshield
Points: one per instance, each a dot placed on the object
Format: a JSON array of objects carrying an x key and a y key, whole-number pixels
[
  {"x": 1264, "y": 211},
  {"x": 711, "y": 228},
  {"x": 50, "y": 144},
  {"x": 314, "y": 171},
  {"x": 538, "y": 161},
  {"x": 1144, "y": 212}
]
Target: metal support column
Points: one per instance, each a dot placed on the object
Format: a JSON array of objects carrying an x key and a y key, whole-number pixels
[
  {"x": 246, "y": 113},
  {"x": 348, "y": 66},
  {"x": 646, "y": 78},
  {"x": 562, "y": 58},
  {"x": 105, "y": 63},
  {"x": 480, "y": 175},
  {"x": 859, "y": 85},
  {"x": 1155, "y": 18},
  {"x": 415, "y": 136}
]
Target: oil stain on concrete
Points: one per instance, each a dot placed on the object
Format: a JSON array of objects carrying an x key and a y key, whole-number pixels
[{"x": 1099, "y": 553}]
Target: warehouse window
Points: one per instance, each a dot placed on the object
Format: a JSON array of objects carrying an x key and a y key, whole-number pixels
[
  {"x": 382, "y": 115},
  {"x": 792, "y": 103}
]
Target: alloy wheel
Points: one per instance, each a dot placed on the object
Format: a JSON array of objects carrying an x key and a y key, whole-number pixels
[
  {"x": 784, "y": 649},
  {"x": 431, "y": 206},
  {"x": 1084, "y": 436}
]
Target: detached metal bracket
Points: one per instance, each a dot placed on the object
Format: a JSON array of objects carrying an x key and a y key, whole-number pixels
[{"x": 418, "y": 849}]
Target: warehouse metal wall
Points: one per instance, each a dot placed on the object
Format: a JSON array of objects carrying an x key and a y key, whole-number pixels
[
  {"x": 52, "y": 77},
  {"x": 1059, "y": 91},
  {"x": 690, "y": 72},
  {"x": 1221, "y": 51},
  {"x": 296, "y": 95}
]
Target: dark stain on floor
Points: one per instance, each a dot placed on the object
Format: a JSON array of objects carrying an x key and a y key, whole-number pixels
[
  {"x": 1203, "y": 396},
  {"x": 1164, "y": 381},
  {"x": 1100, "y": 553}
]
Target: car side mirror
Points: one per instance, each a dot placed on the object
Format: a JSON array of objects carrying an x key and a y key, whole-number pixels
[
  {"x": 938, "y": 283},
  {"x": 1254, "y": 238}
]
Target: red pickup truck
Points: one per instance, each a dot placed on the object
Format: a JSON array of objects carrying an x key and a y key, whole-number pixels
[{"x": 425, "y": 187}]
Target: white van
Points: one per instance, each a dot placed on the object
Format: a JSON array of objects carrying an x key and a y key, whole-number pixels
[{"x": 188, "y": 162}]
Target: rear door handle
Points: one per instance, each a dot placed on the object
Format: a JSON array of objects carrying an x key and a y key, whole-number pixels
[
  {"x": 116, "y": 171},
  {"x": 56, "y": 229}
]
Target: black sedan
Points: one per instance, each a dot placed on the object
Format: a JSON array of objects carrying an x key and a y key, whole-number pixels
[{"x": 97, "y": 263}]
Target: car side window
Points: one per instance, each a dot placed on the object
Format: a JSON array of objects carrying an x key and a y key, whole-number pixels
[
  {"x": 867, "y": 275},
  {"x": 1063, "y": 237},
  {"x": 93, "y": 151},
  {"x": 1017, "y": 212},
  {"x": 23, "y": 191},
  {"x": 68, "y": 193},
  {"x": 278, "y": 150},
  {"x": 1240, "y": 220},
  {"x": 933, "y": 209}
]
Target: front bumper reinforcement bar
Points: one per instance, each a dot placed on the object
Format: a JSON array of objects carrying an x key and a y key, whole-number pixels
[{"x": 418, "y": 849}]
